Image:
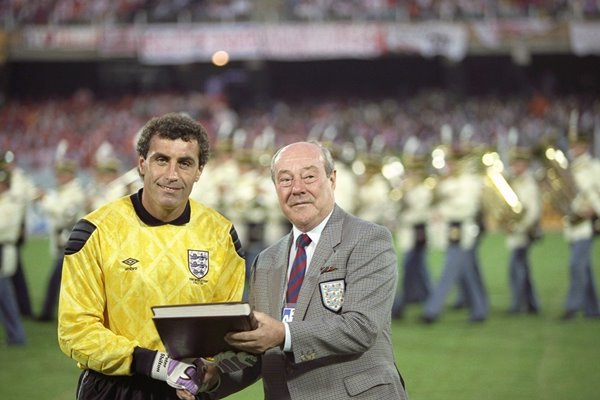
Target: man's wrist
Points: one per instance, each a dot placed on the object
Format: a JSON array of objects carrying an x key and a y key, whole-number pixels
[
  {"x": 287, "y": 340},
  {"x": 143, "y": 360}
]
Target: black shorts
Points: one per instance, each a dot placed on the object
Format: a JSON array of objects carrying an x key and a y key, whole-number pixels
[{"x": 96, "y": 386}]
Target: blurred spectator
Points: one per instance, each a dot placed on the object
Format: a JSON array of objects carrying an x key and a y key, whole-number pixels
[{"x": 20, "y": 12}]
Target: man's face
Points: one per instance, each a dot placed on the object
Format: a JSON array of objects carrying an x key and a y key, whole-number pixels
[
  {"x": 305, "y": 193},
  {"x": 169, "y": 172}
]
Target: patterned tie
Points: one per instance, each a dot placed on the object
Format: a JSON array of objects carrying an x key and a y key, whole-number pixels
[{"x": 298, "y": 268}]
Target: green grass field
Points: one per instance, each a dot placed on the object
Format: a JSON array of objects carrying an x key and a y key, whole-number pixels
[{"x": 515, "y": 357}]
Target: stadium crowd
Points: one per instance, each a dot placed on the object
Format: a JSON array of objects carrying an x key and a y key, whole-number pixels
[
  {"x": 18, "y": 12},
  {"x": 32, "y": 129}
]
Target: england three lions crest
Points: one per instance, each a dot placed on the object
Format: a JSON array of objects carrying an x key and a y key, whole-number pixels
[
  {"x": 332, "y": 294},
  {"x": 198, "y": 262}
]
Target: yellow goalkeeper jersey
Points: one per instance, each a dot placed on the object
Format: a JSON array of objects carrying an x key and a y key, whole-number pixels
[{"x": 120, "y": 261}]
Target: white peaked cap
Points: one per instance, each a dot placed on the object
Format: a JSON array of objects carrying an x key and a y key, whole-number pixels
[
  {"x": 360, "y": 143},
  {"x": 513, "y": 136},
  {"x": 268, "y": 138},
  {"x": 378, "y": 144},
  {"x": 446, "y": 134},
  {"x": 239, "y": 139},
  {"x": 105, "y": 152},
  {"x": 225, "y": 129},
  {"x": 61, "y": 150},
  {"x": 466, "y": 133},
  {"x": 330, "y": 133},
  {"x": 412, "y": 145}
]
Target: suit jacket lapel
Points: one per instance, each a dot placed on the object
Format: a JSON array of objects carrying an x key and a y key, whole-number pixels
[
  {"x": 330, "y": 238},
  {"x": 279, "y": 275}
]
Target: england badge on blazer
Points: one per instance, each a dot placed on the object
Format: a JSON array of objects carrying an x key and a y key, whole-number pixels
[
  {"x": 198, "y": 262},
  {"x": 332, "y": 294}
]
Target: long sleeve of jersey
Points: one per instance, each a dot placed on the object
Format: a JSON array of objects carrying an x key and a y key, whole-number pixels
[{"x": 118, "y": 265}]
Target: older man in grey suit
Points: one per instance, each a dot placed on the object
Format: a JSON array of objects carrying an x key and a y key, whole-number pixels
[{"x": 333, "y": 341}]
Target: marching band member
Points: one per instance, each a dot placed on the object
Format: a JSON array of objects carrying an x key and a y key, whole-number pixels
[
  {"x": 11, "y": 212},
  {"x": 106, "y": 183},
  {"x": 23, "y": 189},
  {"x": 457, "y": 198},
  {"x": 413, "y": 216},
  {"x": 64, "y": 206},
  {"x": 347, "y": 189},
  {"x": 579, "y": 230},
  {"x": 373, "y": 196},
  {"x": 523, "y": 233}
]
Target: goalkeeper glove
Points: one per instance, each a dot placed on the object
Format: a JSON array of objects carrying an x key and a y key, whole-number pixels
[
  {"x": 230, "y": 361},
  {"x": 179, "y": 374}
]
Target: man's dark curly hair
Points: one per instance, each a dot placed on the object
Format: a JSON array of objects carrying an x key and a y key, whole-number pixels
[{"x": 174, "y": 126}]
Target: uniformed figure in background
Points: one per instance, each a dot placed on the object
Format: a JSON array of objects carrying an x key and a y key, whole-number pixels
[
  {"x": 23, "y": 189},
  {"x": 414, "y": 208},
  {"x": 373, "y": 194},
  {"x": 253, "y": 206},
  {"x": 579, "y": 229},
  {"x": 11, "y": 216},
  {"x": 523, "y": 232},
  {"x": 346, "y": 191},
  {"x": 218, "y": 191},
  {"x": 64, "y": 205},
  {"x": 457, "y": 200},
  {"x": 108, "y": 183},
  {"x": 471, "y": 164},
  {"x": 235, "y": 186}
]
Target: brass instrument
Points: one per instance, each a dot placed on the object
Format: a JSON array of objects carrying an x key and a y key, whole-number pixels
[
  {"x": 393, "y": 171},
  {"x": 500, "y": 201},
  {"x": 466, "y": 160},
  {"x": 558, "y": 185},
  {"x": 473, "y": 160},
  {"x": 129, "y": 179},
  {"x": 438, "y": 159}
]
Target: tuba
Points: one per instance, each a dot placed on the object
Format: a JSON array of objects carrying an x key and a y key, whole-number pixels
[
  {"x": 558, "y": 186},
  {"x": 393, "y": 170},
  {"x": 499, "y": 199}
]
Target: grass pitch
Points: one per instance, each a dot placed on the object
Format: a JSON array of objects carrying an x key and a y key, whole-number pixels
[{"x": 517, "y": 357}]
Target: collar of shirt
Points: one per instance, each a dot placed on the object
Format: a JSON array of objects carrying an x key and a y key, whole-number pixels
[
  {"x": 314, "y": 235},
  {"x": 148, "y": 219}
]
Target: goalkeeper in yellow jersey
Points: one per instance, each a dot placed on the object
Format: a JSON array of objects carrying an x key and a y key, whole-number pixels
[{"x": 155, "y": 247}]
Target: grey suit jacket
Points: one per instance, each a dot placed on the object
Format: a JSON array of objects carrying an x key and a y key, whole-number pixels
[{"x": 338, "y": 353}]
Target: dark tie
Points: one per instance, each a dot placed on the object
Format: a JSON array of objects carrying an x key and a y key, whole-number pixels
[{"x": 298, "y": 268}]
